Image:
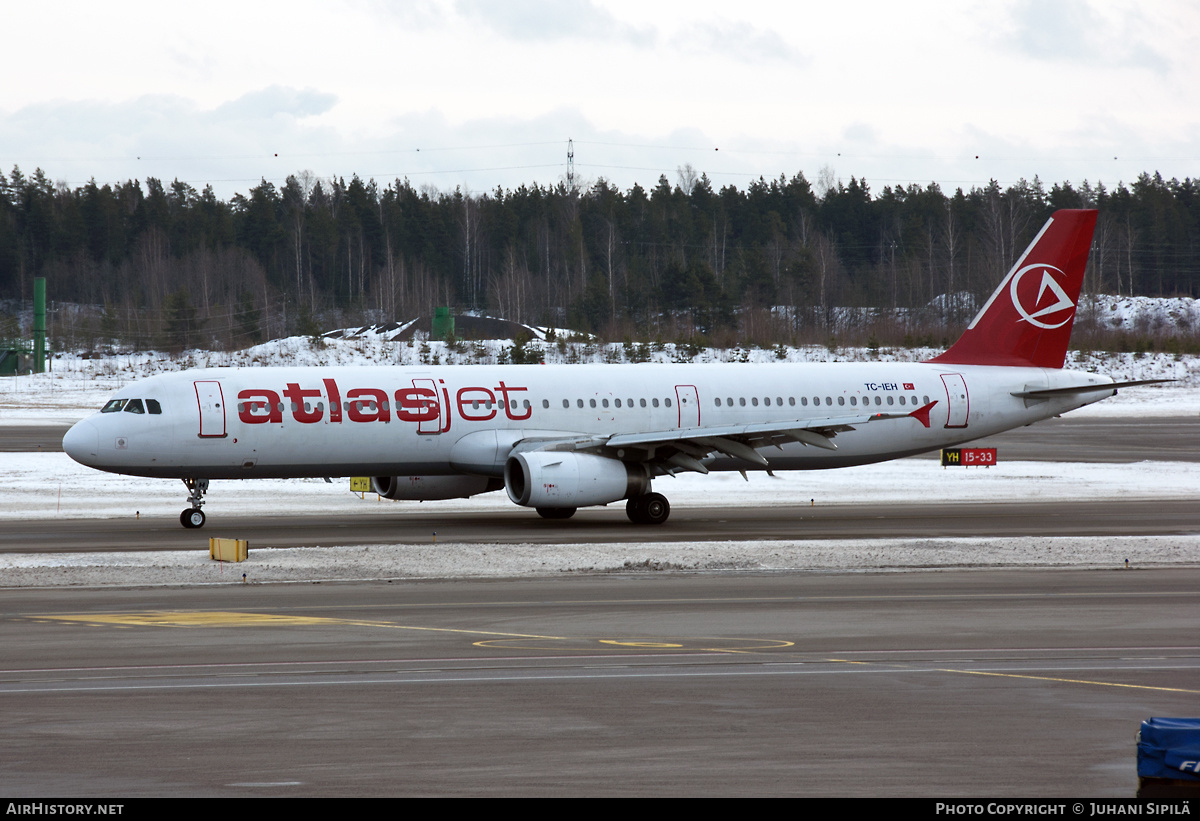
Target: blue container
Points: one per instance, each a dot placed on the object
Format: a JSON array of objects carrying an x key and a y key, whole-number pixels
[{"x": 1169, "y": 748}]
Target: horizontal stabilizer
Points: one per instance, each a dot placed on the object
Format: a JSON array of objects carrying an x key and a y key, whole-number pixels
[{"x": 1078, "y": 389}]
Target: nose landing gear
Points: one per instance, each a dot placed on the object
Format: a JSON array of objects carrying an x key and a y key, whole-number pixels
[{"x": 193, "y": 516}]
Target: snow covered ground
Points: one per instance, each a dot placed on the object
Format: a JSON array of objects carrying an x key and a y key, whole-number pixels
[
  {"x": 1142, "y": 314},
  {"x": 50, "y": 485},
  {"x": 446, "y": 561}
]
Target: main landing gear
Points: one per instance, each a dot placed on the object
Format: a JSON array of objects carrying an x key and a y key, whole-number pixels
[
  {"x": 648, "y": 509},
  {"x": 194, "y": 516}
]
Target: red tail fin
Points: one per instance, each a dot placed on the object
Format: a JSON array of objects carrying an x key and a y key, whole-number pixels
[{"x": 1028, "y": 319}]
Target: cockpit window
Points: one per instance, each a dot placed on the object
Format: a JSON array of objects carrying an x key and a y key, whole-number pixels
[
  {"x": 134, "y": 406},
  {"x": 114, "y": 405},
  {"x": 152, "y": 406}
]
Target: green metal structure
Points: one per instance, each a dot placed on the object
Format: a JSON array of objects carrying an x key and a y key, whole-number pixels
[
  {"x": 443, "y": 325},
  {"x": 39, "y": 324},
  {"x": 18, "y": 355}
]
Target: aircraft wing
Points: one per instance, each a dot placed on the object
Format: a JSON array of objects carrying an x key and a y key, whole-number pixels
[{"x": 683, "y": 448}]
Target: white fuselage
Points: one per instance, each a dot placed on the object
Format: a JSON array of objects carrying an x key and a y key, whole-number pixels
[{"x": 245, "y": 423}]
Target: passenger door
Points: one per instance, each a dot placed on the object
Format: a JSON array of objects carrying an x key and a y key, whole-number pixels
[
  {"x": 211, "y": 401},
  {"x": 957, "y": 400}
]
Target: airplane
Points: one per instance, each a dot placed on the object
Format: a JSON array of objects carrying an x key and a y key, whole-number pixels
[{"x": 561, "y": 437}]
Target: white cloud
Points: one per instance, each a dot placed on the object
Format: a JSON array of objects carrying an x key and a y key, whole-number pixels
[
  {"x": 888, "y": 91},
  {"x": 1086, "y": 32},
  {"x": 736, "y": 40},
  {"x": 538, "y": 20},
  {"x": 277, "y": 100}
]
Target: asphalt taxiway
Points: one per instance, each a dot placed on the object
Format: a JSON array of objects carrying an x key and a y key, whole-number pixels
[
  {"x": 1133, "y": 517},
  {"x": 1003, "y": 683},
  {"x": 952, "y": 683}
]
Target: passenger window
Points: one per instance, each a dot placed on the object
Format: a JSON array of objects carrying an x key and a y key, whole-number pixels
[
  {"x": 717, "y": 401},
  {"x": 779, "y": 401},
  {"x": 592, "y": 402},
  {"x": 134, "y": 406},
  {"x": 643, "y": 402},
  {"x": 153, "y": 406},
  {"x": 853, "y": 400},
  {"x": 113, "y": 405},
  {"x": 901, "y": 400},
  {"x": 841, "y": 400},
  {"x": 742, "y": 401},
  {"x": 579, "y": 402},
  {"x": 604, "y": 402},
  {"x": 618, "y": 402},
  {"x": 792, "y": 401},
  {"x": 804, "y": 401},
  {"x": 654, "y": 402},
  {"x": 890, "y": 400},
  {"x": 668, "y": 402},
  {"x": 828, "y": 400},
  {"x": 754, "y": 401}
]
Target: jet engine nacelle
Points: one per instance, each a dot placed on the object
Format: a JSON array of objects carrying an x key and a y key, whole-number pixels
[
  {"x": 549, "y": 479},
  {"x": 432, "y": 488}
]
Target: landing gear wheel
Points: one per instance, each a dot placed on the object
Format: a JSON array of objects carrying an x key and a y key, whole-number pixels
[
  {"x": 633, "y": 509},
  {"x": 556, "y": 512},
  {"x": 648, "y": 509},
  {"x": 192, "y": 517}
]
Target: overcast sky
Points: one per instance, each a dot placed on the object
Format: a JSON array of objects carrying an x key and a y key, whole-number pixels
[{"x": 480, "y": 94}]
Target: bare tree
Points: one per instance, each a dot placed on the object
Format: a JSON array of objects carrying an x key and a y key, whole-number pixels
[{"x": 687, "y": 177}]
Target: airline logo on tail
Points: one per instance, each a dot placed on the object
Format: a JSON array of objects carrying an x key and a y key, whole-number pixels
[
  {"x": 1033, "y": 325},
  {"x": 1062, "y": 302}
]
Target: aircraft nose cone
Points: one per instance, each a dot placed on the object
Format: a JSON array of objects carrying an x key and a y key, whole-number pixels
[{"x": 82, "y": 442}]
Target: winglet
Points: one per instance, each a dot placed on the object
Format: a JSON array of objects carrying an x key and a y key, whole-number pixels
[
  {"x": 1027, "y": 321},
  {"x": 922, "y": 414}
]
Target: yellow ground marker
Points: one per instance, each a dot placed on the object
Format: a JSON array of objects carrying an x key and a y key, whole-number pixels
[
  {"x": 1031, "y": 678},
  {"x": 221, "y": 618}
]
